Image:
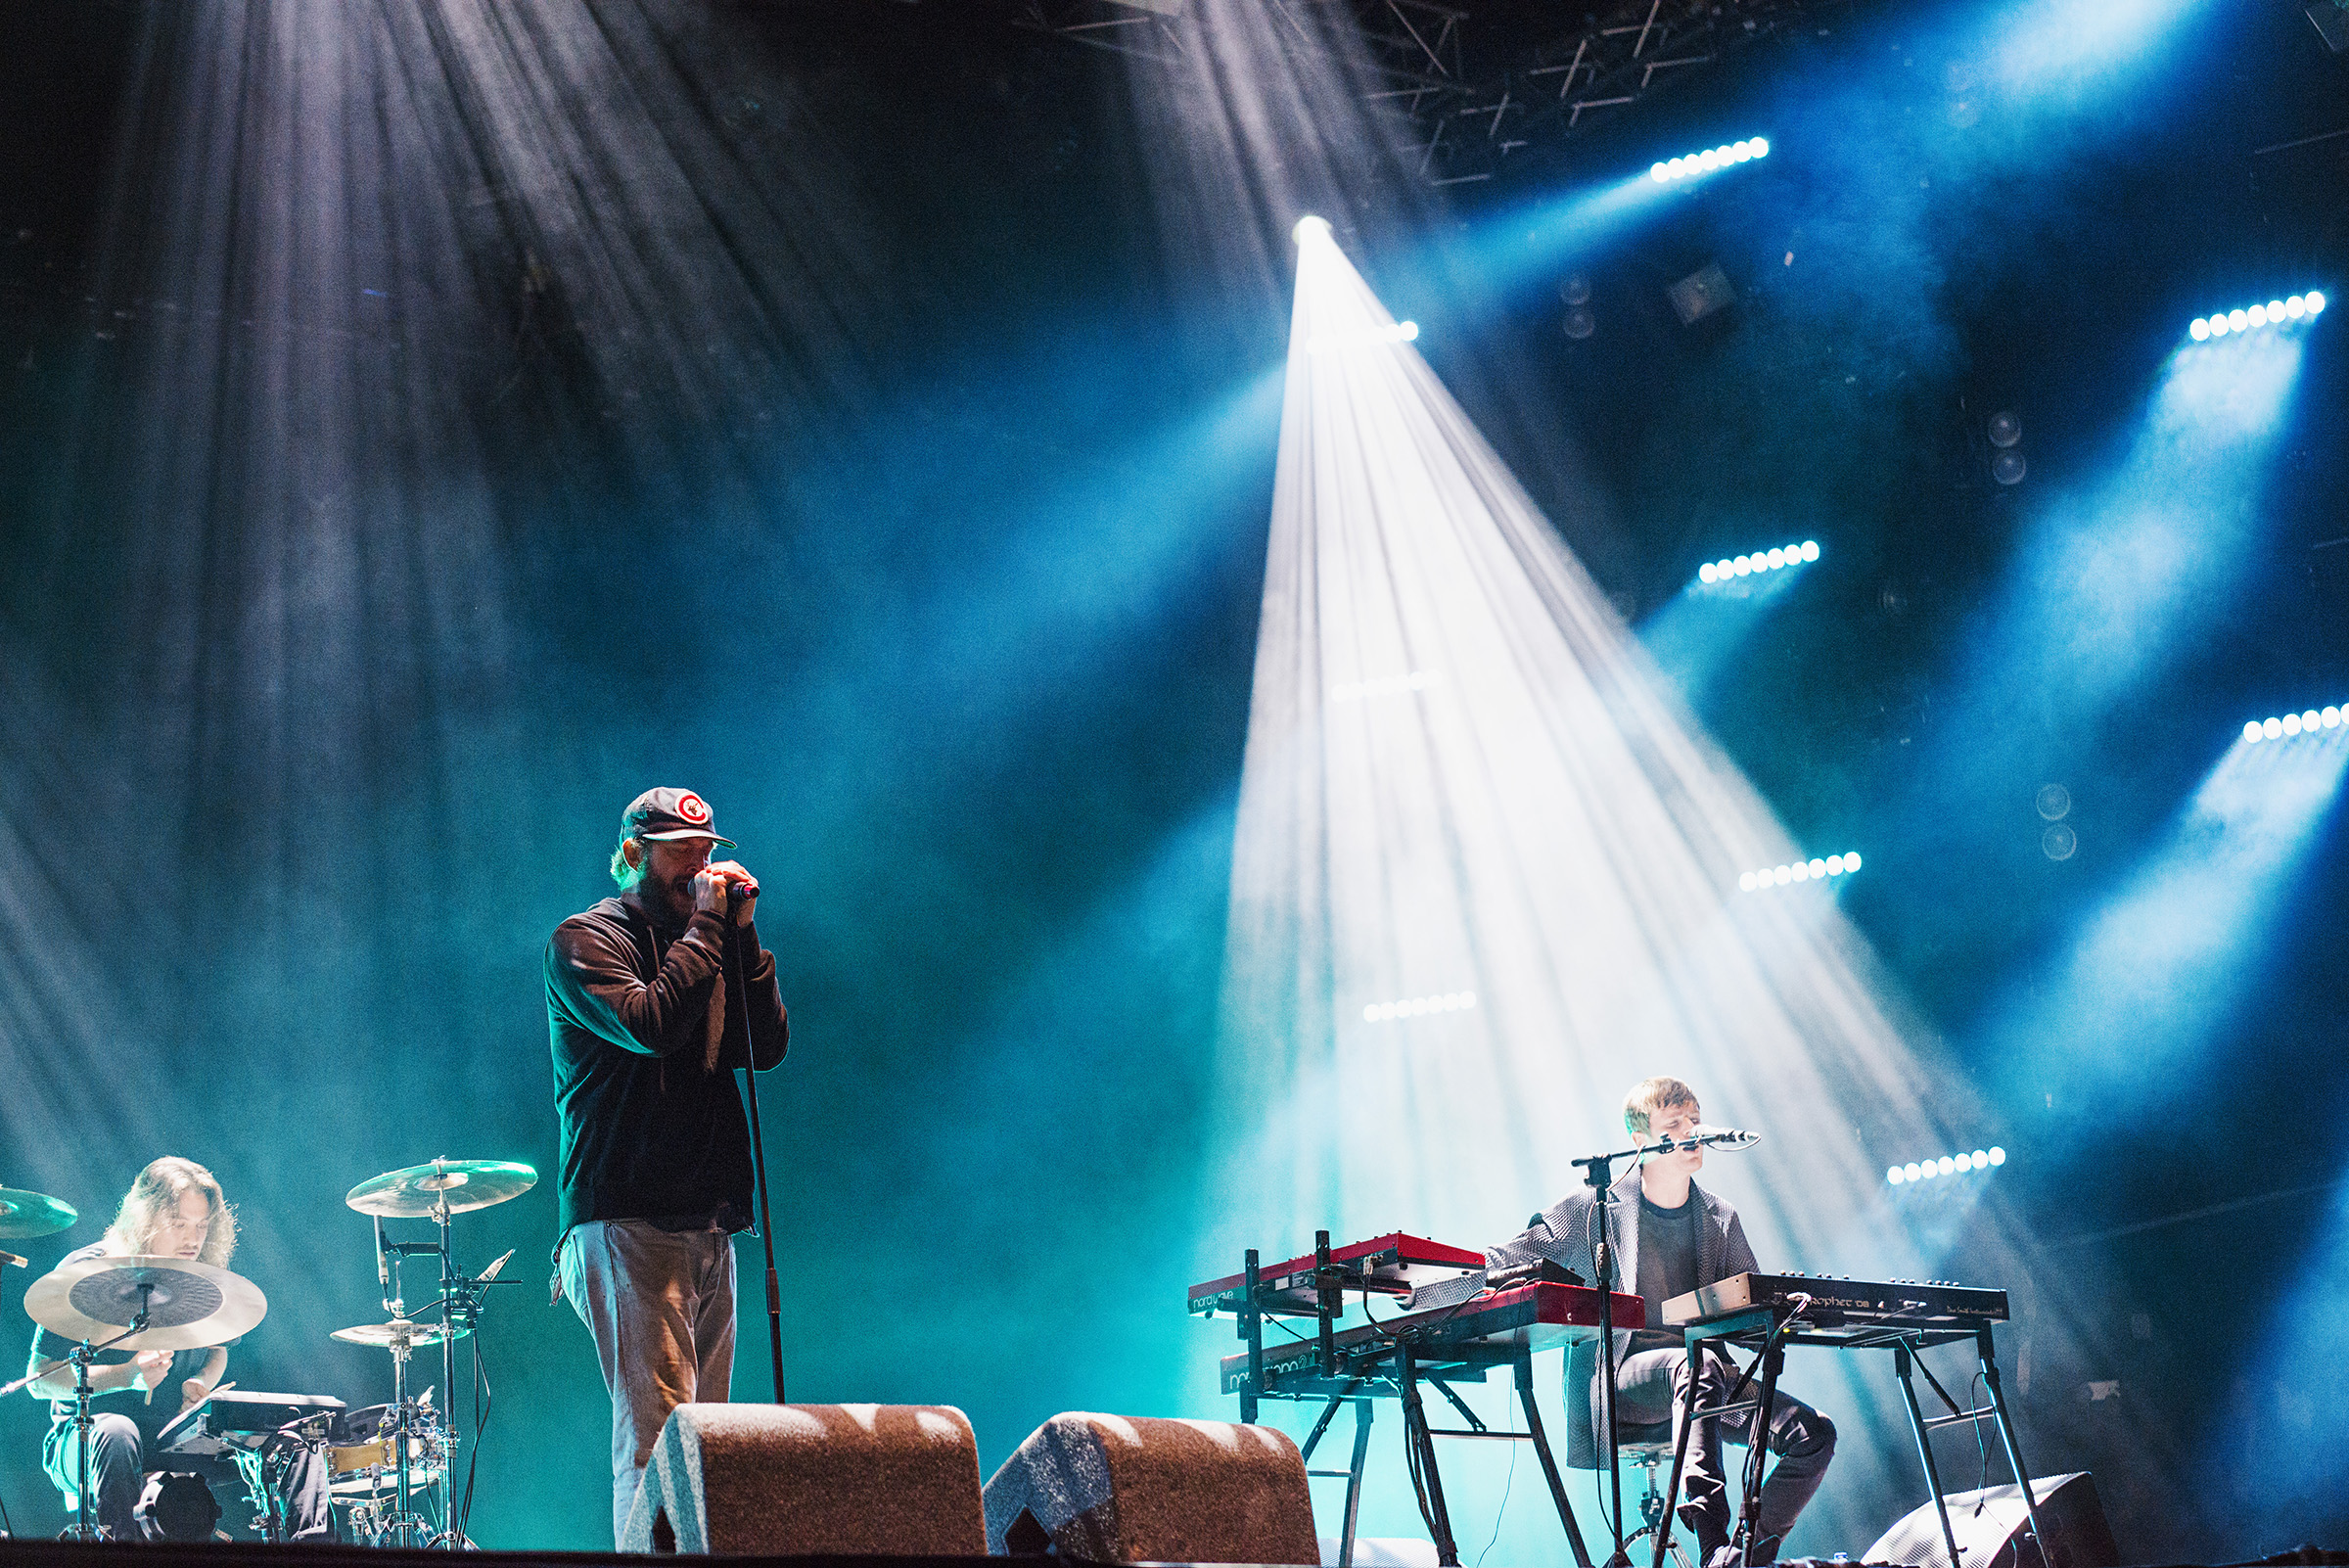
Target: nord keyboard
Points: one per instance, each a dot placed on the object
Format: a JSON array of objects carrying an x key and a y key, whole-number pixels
[
  {"x": 1444, "y": 1341},
  {"x": 1892, "y": 1303},
  {"x": 1392, "y": 1265}
]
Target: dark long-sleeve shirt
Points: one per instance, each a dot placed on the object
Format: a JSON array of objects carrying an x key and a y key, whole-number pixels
[{"x": 652, "y": 1127}]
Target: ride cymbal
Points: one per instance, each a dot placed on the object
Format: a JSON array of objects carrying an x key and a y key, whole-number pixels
[{"x": 461, "y": 1184}]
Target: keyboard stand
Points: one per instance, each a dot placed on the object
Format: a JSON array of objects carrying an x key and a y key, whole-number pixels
[
  {"x": 1768, "y": 1330},
  {"x": 1405, "y": 1372}
]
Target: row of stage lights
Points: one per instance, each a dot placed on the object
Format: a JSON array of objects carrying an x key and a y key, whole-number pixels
[
  {"x": 1779, "y": 876},
  {"x": 1691, "y": 165},
  {"x": 2274, "y": 313},
  {"x": 1419, "y": 1007},
  {"x": 2301, "y": 724},
  {"x": 1946, "y": 1165},
  {"x": 1771, "y": 560}
]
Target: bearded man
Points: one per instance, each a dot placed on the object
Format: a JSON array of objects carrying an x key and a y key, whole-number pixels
[{"x": 652, "y": 999}]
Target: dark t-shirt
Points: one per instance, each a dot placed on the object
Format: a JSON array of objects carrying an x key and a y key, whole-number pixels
[
  {"x": 1667, "y": 1258},
  {"x": 651, "y": 1129},
  {"x": 149, "y": 1415}
]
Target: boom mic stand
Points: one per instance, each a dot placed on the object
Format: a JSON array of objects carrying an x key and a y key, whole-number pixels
[
  {"x": 1598, "y": 1170},
  {"x": 750, "y": 1079}
]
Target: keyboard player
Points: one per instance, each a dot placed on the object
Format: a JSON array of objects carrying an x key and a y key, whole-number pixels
[{"x": 1671, "y": 1236}]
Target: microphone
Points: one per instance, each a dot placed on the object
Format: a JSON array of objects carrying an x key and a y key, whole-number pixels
[
  {"x": 383, "y": 1269},
  {"x": 1724, "y": 1138},
  {"x": 491, "y": 1272}
]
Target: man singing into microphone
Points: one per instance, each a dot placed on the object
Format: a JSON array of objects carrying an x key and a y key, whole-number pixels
[
  {"x": 652, "y": 999},
  {"x": 1671, "y": 1236}
]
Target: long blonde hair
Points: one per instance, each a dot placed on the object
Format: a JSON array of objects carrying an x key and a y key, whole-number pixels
[{"x": 155, "y": 1196}]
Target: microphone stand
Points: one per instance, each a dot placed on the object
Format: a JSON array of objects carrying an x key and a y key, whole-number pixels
[
  {"x": 750, "y": 1079},
  {"x": 1599, "y": 1171}
]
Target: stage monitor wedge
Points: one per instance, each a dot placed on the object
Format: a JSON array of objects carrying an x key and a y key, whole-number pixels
[{"x": 1994, "y": 1532}]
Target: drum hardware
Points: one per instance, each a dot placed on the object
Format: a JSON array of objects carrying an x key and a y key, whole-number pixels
[
  {"x": 240, "y": 1425},
  {"x": 437, "y": 1191},
  {"x": 400, "y": 1525},
  {"x": 158, "y": 1303}
]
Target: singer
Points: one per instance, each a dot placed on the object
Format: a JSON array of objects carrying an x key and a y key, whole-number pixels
[
  {"x": 1671, "y": 1236},
  {"x": 652, "y": 999}
]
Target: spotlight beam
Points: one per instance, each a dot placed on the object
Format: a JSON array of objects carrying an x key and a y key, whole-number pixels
[{"x": 1547, "y": 831}]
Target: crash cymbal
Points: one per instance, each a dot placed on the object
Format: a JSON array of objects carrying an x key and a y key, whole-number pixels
[
  {"x": 189, "y": 1304},
  {"x": 400, "y": 1331},
  {"x": 26, "y": 1215},
  {"x": 462, "y": 1185}
]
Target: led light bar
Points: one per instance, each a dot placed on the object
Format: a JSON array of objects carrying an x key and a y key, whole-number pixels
[
  {"x": 2274, "y": 313},
  {"x": 1691, "y": 165},
  {"x": 1354, "y": 691},
  {"x": 1779, "y": 876},
  {"x": 1419, "y": 1007},
  {"x": 1771, "y": 560},
  {"x": 2306, "y": 722},
  {"x": 1946, "y": 1165}
]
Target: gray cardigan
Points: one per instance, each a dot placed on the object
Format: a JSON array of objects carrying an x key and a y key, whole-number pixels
[{"x": 1564, "y": 1233}]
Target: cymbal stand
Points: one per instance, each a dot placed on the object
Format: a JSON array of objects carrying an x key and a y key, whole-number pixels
[
  {"x": 460, "y": 1307},
  {"x": 85, "y": 1525},
  {"x": 403, "y": 1525},
  {"x": 442, "y": 1217}
]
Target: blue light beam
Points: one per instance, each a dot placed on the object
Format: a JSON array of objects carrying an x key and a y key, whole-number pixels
[{"x": 2152, "y": 974}]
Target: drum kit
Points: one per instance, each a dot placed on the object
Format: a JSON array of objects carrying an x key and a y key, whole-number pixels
[{"x": 389, "y": 1466}]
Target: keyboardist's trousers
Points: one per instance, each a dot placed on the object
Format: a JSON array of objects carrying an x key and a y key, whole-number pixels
[
  {"x": 661, "y": 1306},
  {"x": 1803, "y": 1439}
]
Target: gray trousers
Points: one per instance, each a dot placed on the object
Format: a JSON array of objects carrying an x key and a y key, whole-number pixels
[
  {"x": 1651, "y": 1386},
  {"x": 661, "y": 1306}
]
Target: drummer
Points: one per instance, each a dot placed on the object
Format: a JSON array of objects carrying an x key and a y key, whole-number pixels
[{"x": 174, "y": 1210}]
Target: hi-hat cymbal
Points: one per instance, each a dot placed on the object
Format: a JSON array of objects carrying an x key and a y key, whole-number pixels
[
  {"x": 189, "y": 1304},
  {"x": 461, "y": 1184},
  {"x": 26, "y": 1215},
  {"x": 400, "y": 1331}
]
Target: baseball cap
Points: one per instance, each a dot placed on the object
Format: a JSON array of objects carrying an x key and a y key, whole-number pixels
[{"x": 666, "y": 813}]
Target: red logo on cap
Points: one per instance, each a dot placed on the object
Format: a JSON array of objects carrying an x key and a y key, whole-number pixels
[{"x": 691, "y": 808}]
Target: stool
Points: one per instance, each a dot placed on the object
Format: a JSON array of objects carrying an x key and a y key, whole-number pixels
[{"x": 1646, "y": 1444}]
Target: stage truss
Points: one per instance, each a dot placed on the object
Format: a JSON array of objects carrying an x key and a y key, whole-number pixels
[{"x": 1482, "y": 92}]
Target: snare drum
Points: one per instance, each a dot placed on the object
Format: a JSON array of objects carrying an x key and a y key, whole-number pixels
[{"x": 362, "y": 1453}]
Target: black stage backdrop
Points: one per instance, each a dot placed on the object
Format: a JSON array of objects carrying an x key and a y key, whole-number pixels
[{"x": 424, "y": 427}]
